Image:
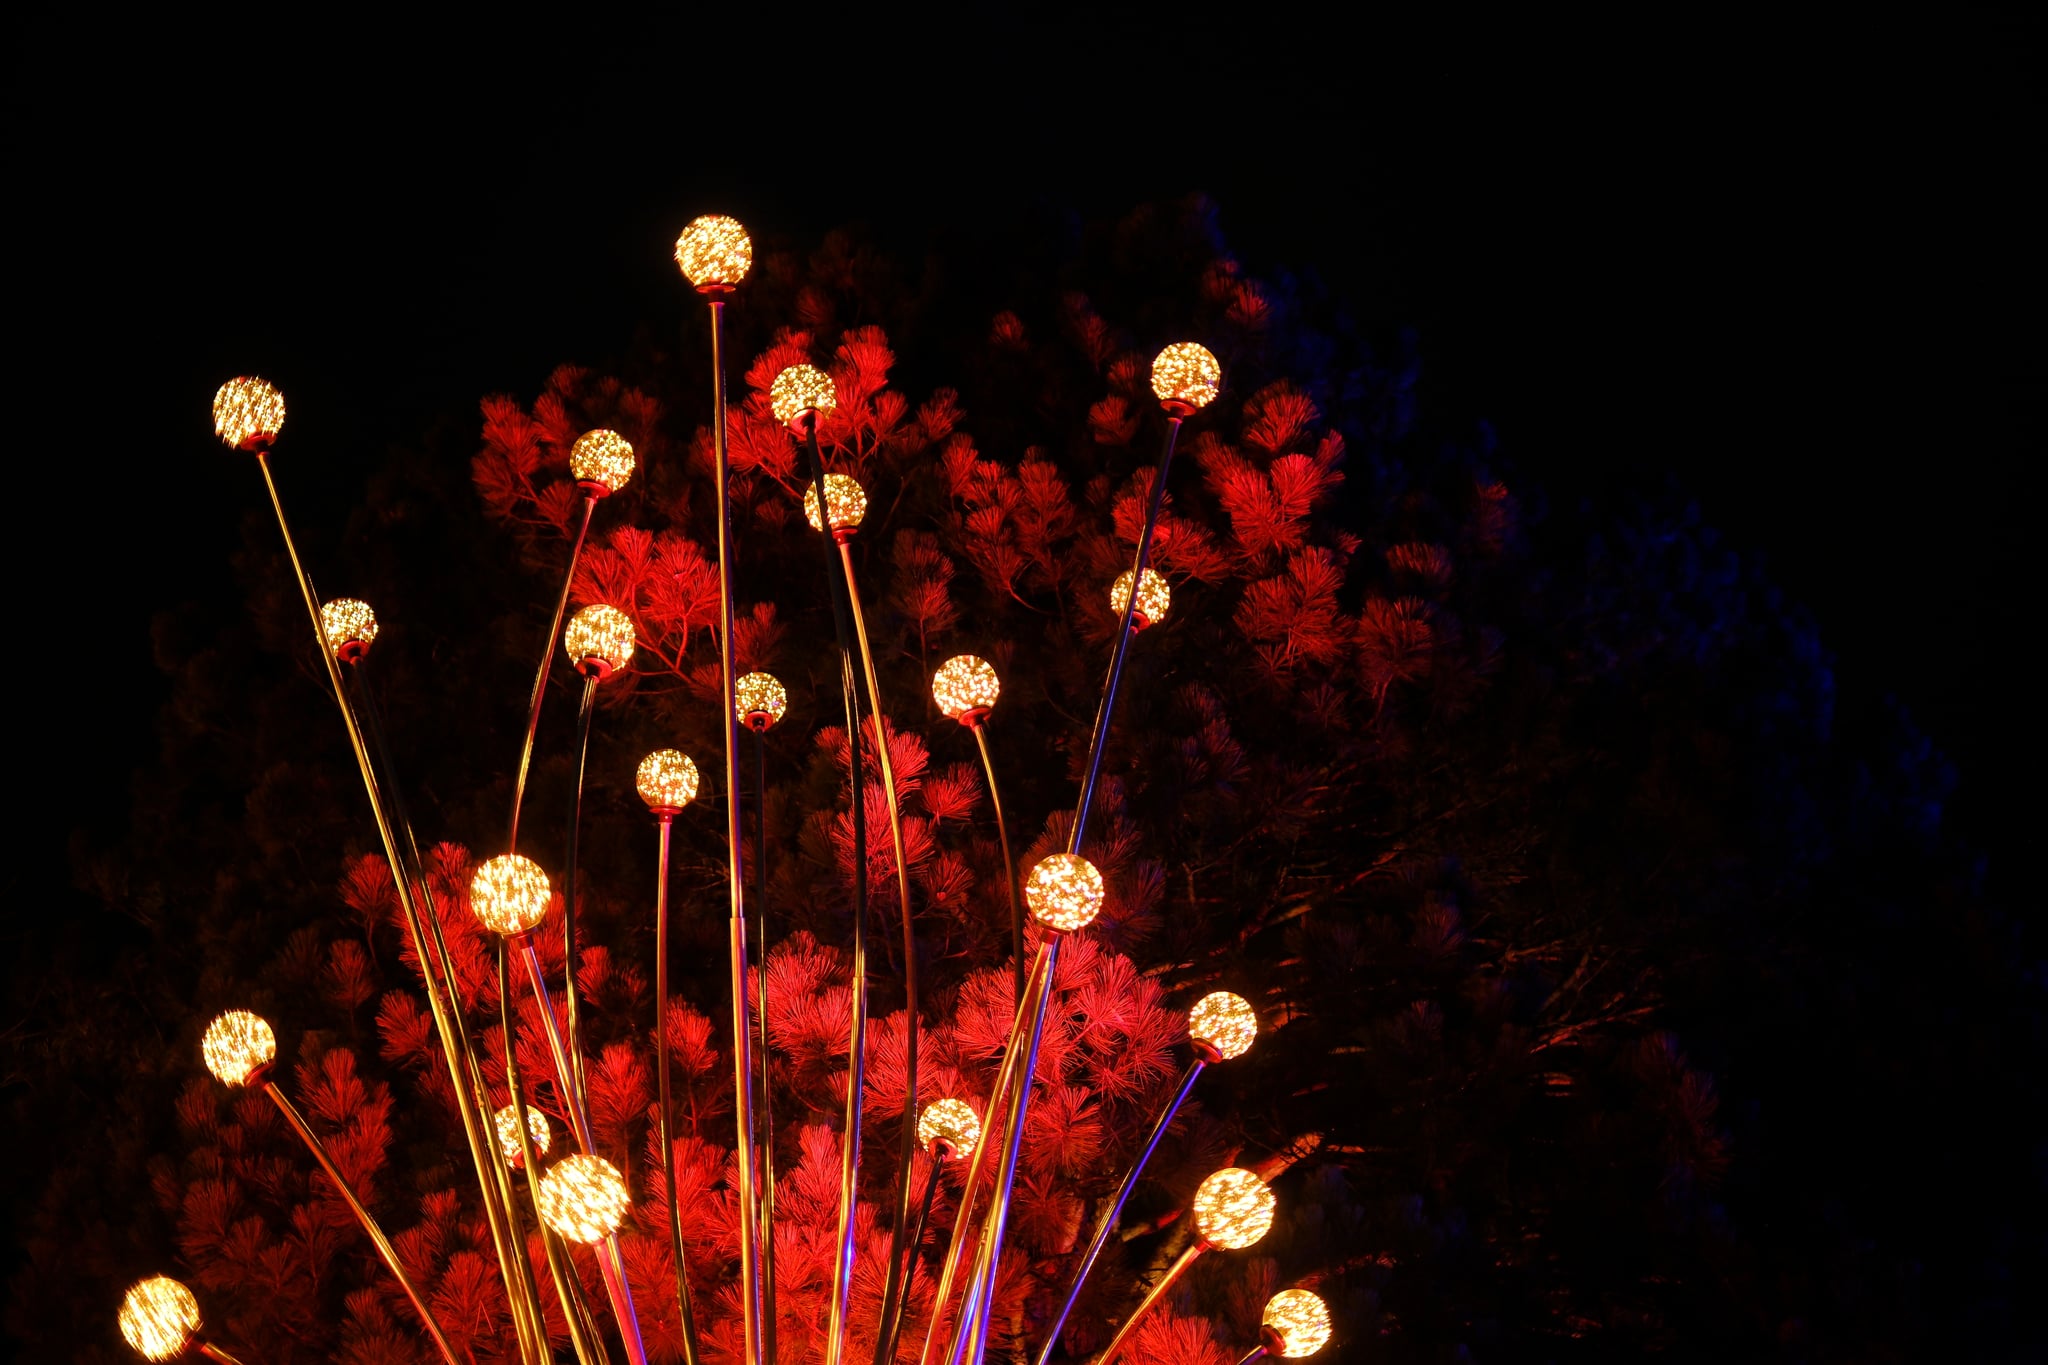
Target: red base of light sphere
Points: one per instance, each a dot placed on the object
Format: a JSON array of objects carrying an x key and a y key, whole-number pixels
[
  {"x": 757, "y": 721},
  {"x": 593, "y": 489},
  {"x": 593, "y": 667},
  {"x": 973, "y": 716},
  {"x": 1175, "y": 408},
  {"x": 1139, "y": 620},
  {"x": 1209, "y": 1055},
  {"x": 352, "y": 652}
]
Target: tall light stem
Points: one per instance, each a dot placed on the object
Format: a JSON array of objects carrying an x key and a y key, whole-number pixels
[
  {"x": 742, "y": 1051},
  {"x": 885, "y": 1348},
  {"x": 540, "y": 677},
  {"x": 1152, "y": 1296},
  {"x": 376, "y": 1234},
  {"x": 761, "y": 1014},
  {"x": 214, "y": 1353},
  {"x": 661, "y": 1069},
  {"x": 1255, "y": 1353},
  {"x": 1116, "y": 1207},
  {"x": 584, "y": 712},
  {"x": 1009, "y": 864}
]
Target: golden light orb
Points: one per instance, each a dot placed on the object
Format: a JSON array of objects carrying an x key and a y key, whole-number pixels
[
  {"x": 965, "y": 687},
  {"x": 159, "y": 1317},
  {"x": 599, "y": 639},
  {"x": 537, "y": 1130},
  {"x": 758, "y": 700},
  {"x": 714, "y": 252},
  {"x": 1223, "y": 1024},
  {"x": 845, "y": 501},
  {"x": 1186, "y": 377},
  {"x": 350, "y": 627},
  {"x": 948, "y": 1130},
  {"x": 1296, "y": 1322},
  {"x": 237, "y": 1045},
  {"x": 584, "y": 1198},
  {"x": 801, "y": 389},
  {"x": 1153, "y": 598},
  {"x": 248, "y": 413},
  {"x": 667, "y": 780},
  {"x": 1233, "y": 1208},
  {"x": 1064, "y": 891},
  {"x": 602, "y": 458},
  {"x": 509, "y": 894}
]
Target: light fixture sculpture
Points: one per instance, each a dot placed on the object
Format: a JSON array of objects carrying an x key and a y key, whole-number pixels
[
  {"x": 512, "y": 1143},
  {"x": 159, "y": 1319},
  {"x": 1296, "y": 1324},
  {"x": 948, "y": 1130},
  {"x": 1154, "y": 597},
  {"x": 965, "y": 689},
  {"x": 1233, "y": 1209},
  {"x": 759, "y": 701},
  {"x": 238, "y": 1049}
]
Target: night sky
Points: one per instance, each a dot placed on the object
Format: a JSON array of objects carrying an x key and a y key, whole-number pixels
[{"x": 1792, "y": 268}]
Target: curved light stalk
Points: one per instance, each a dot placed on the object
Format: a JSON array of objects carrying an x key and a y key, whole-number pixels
[
  {"x": 1116, "y": 1207},
  {"x": 767, "y": 1114},
  {"x": 214, "y": 1353},
  {"x": 1152, "y": 1296},
  {"x": 377, "y": 1237},
  {"x": 1255, "y": 1353},
  {"x": 885, "y": 1346},
  {"x": 988, "y": 766},
  {"x": 584, "y": 711},
  {"x": 540, "y": 677},
  {"x": 661, "y": 1068}
]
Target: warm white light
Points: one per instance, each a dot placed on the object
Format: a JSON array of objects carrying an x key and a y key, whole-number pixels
[
  {"x": 1186, "y": 375},
  {"x": 1064, "y": 891},
  {"x": 602, "y": 457},
  {"x": 966, "y": 687},
  {"x": 801, "y": 389},
  {"x": 1298, "y": 1323},
  {"x": 667, "y": 780},
  {"x": 845, "y": 500},
  {"x": 158, "y": 1318},
  {"x": 1223, "y": 1024},
  {"x": 599, "y": 639},
  {"x": 1153, "y": 599},
  {"x": 248, "y": 413},
  {"x": 509, "y": 894},
  {"x": 584, "y": 1198},
  {"x": 1233, "y": 1208},
  {"x": 537, "y": 1131},
  {"x": 714, "y": 252},
  {"x": 350, "y": 627},
  {"x": 758, "y": 700},
  {"x": 948, "y": 1129},
  {"x": 237, "y": 1045}
]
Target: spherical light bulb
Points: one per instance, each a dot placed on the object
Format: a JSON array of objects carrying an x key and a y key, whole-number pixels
[
  {"x": 159, "y": 1317},
  {"x": 1233, "y": 1208},
  {"x": 1185, "y": 377},
  {"x": 714, "y": 252},
  {"x": 1153, "y": 599},
  {"x": 509, "y": 894},
  {"x": 965, "y": 688},
  {"x": 948, "y": 1130},
  {"x": 801, "y": 389},
  {"x": 845, "y": 501},
  {"x": 248, "y": 413},
  {"x": 537, "y": 1131},
  {"x": 1222, "y": 1026},
  {"x": 1296, "y": 1323},
  {"x": 350, "y": 627},
  {"x": 667, "y": 780},
  {"x": 1064, "y": 891},
  {"x": 584, "y": 1198},
  {"x": 758, "y": 700},
  {"x": 237, "y": 1045},
  {"x": 603, "y": 460},
  {"x": 599, "y": 640}
]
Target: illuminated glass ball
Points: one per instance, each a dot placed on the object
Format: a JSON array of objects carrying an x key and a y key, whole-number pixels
[
  {"x": 758, "y": 700},
  {"x": 1064, "y": 891},
  {"x": 845, "y": 500},
  {"x": 248, "y": 413},
  {"x": 1233, "y": 1208},
  {"x": 1153, "y": 598},
  {"x": 602, "y": 457},
  {"x": 537, "y": 1131},
  {"x": 1224, "y": 1023},
  {"x": 158, "y": 1317},
  {"x": 1298, "y": 1321},
  {"x": 350, "y": 627},
  {"x": 951, "y": 1122},
  {"x": 509, "y": 894},
  {"x": 714, "y": 252},
  {"x": 236, "y": 1045},
  {"x": 599, "y": 635},
  {"x": 801, "y": 389},
  {"x": 1186, "y": 374},
  {"x": 965, "y": 684},
  {"x": 667, "y": 780},
  {"x": 584, "y": 1198}
]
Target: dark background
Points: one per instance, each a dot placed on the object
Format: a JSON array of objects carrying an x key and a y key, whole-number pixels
[{"x": 1790, "y": 267}]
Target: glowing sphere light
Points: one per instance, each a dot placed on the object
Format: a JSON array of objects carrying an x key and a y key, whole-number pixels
[
  {"x": 1296, "y": 1323},
  {"x": 537, "y": 1131},
  {"x": 1233, "y": 1208},
  {"x": 845, "y": 502},
  {"x": 714, "y": 252},
  {"x": 758, "y": 700},
  {"x": 1153, "y": 599},
  {"x": 600, "y": 640},
  {"x": 1185, "y": 377},
  {"x": 1064, "y": 891},
  {"x": 966, "y": 688},
  {"x": 1222, "y": 1025},
  {"x": 350, "y": 627},
  {"x": 509, "y": 894},
  {"x": 159, "y": 1317},
  {"x": 248, "y": 413},
  {"x": 801, "y": 389},
  {"x": 237, "y": 1045},
  {"x": 667, "y": 780},
  {"x": 602, "y": 459},
  {"x": 584, "y": 1198},
  {"x": 948, "y": 1130}
]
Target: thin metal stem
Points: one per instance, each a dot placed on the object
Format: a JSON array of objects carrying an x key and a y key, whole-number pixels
[
  {"x": 1116, "y": 1207},
  {"x": 1009, "y": 863},
  {"x": 584, "y": 713},
  {"x": 1255, "y": 1353},
  {"x": 767, "y": 1114},
  {"x": 1152, "y": 1296},
  {"x": 743, "y": 1071},
  {"x": 885, "y": 1348},
  {"x": 540, "y": 677},
  {"x": 214, "y": 1353},
  {"x": 661, "y": 1070},
  {"x": 377, "y": 1237}
]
